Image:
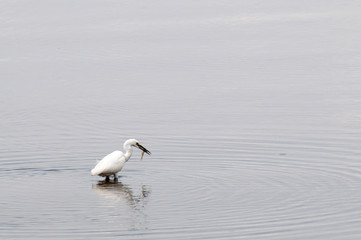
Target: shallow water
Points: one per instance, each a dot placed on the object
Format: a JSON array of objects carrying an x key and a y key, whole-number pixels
[{"x": 250, "y": 109}]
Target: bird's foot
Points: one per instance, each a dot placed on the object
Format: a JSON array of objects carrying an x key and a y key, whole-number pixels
[
  {"x": 115, "y": 179},
  {"x": 107, "y": 179}
]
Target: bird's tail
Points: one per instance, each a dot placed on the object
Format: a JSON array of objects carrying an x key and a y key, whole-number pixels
[{"x": 95, "y": 171}]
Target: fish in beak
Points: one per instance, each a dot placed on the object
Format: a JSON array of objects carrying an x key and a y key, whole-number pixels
[{"x": 143, "y": 149}]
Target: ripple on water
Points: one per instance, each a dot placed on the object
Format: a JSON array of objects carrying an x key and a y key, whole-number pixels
[
  {"x": 254, "y": 186},
  {"x": 259, "y": 186}
]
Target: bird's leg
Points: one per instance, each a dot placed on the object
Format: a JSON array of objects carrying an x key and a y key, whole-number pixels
[
  {"x": 115, "y": 178},
  {"x": 107, "y": 179}
]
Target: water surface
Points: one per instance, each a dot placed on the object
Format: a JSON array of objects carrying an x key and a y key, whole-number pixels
[{"x": 250, "y": 109}]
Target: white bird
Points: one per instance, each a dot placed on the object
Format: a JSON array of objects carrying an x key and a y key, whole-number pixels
[{"x": 112, "y": 163}]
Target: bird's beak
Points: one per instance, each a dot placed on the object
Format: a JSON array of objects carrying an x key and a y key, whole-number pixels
[{"x": 143, "y": 149}]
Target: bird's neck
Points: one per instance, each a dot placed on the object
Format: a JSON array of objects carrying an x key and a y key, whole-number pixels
[{"x": 128, "y": 152}]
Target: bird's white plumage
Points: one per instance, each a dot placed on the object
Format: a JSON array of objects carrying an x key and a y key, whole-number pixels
[{"x": 112, "y": 163}]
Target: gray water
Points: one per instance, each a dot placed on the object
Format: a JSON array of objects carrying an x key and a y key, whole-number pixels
[{"x": 251, "y": 110}]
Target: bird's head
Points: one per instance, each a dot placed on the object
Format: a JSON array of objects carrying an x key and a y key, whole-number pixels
[{"x": 135, "y": 143}]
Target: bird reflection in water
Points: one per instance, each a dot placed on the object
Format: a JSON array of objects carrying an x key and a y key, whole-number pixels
[{"x": 125, "y": 197}]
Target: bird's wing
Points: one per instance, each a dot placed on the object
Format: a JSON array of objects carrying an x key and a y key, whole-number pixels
[{"x": 111, "y": 163}]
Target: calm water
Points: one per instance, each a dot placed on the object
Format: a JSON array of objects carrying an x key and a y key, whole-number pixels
[{"x": 251, "y": 110}]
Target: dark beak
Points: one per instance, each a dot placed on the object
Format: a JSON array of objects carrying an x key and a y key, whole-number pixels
[{"x": 143, "y": 149}]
